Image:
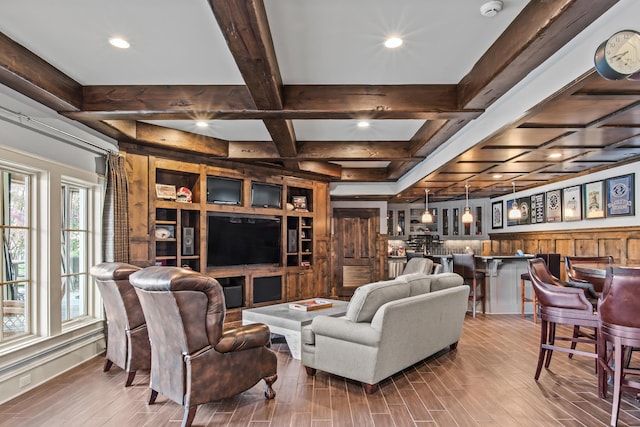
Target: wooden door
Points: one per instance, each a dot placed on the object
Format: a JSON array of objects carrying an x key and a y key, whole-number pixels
[{"x": 355, "y": 235}]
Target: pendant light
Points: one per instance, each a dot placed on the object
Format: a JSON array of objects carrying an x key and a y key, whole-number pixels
[
  {"x": 427, "y": 218},
  {"x": 467, "y": 218},
  {"x": 514, "y": 212}
]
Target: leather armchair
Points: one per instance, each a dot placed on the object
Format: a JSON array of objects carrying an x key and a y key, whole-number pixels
[
  {"x": 127, "y": 338},
  {"x": 193, "y": 360}
]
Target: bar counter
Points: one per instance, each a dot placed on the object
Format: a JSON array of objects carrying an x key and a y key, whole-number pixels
[{"x": 502, "y": 278}]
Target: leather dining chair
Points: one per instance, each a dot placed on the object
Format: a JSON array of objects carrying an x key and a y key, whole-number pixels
[
  {"x": 127, "y": 337},
  {"x": 465, "y": 266},
  {"x": 560, "y": 305},
  {"x": 577, "y": 277},
  {"x": 194, "y": 360},
  {"x": 619, "y": 331}
]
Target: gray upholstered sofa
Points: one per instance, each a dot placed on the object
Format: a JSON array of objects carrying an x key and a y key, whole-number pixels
[{"x": 388, "y": 327}]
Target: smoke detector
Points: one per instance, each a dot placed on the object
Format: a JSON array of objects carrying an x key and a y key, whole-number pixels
[{"x": 491, "y": 8}]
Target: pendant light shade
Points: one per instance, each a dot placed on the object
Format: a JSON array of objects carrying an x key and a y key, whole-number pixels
[
  {"x": 427, "y": 218},
  {"x": 467, "y": 218},
  {"x": 514, "y": 212}
]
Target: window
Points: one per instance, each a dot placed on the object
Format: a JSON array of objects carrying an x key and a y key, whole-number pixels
[
  {"x": 14, "y": 253},
  {"x": 75, "y": 235}
]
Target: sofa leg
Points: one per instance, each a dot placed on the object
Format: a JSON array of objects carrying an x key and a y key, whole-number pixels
[
  {"x": 189, "y": 415},
  {"x": 453, "y": 346},
  {"x": 107, "y": 365},
  {"x": 310, "y": 371},
  {"x": 130, "y": 378},
  {"x": 153, "y": 397},
  {"x": 370, "y": 388}
]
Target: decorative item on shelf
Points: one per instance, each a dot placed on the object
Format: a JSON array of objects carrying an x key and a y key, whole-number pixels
[
  {"x": 427, "y": 218},
  {"x": 299, "y": 203},
  {"x": 467, "y": 218},
  {"x": 514, "y": 212},
  {"x": 167, "y": 192},
  {"x": 165, "y": 232},
  {"x": 184, "y": 195},
  {"x": 289, "y": 206}
]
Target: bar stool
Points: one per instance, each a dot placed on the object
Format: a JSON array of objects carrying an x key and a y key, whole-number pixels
[{"x": 553, "y": 264}]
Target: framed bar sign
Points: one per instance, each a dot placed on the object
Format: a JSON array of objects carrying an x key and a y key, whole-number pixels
[
  {"x": 554, "y": 206},
  {"x": 593, "y": 196},
  {"x": 620, "y": 195},
  {"x": 537, "y": 209},
  {"x": 572, "y": 203},
  {"x": 496, "y": 215}
]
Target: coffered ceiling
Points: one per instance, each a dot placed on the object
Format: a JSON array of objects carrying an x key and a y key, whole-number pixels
[{"x": 286, "y": 82}]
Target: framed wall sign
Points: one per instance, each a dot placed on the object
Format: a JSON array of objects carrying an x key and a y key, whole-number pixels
[
  {"x": 554, "y": 206},
  {"x": 593, "y": 196},
  {"x": 525, "y": 210},
  {"x": 166, "y": 191},
  {"x": 496, "y": 214},
  {"x": 572, "y": 203},
  {"x": 537, "y": 209},
  {"x": 620, "y": 195}
]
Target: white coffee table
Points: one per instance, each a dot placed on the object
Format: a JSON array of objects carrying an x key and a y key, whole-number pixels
[{"x": 287, "y": 322}]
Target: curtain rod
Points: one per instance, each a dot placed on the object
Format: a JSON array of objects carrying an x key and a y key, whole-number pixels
[{"x": 21, "y": 117}]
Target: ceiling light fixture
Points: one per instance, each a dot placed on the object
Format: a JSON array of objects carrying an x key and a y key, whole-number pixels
[
  {"x": 393, "y": 42},
  {"x": 555, "y": 155},
  {"x": 491, "y": 8},
  {"x": 202, "y": 124},
  {"x": 514, "y": 212},
  {"x": 119, "y": 43},
  {"x": 427, "y": 218},
  {"x": 467, "y": 218},
  {"x": 497, "y": 176},
  {"x": 363, "y": 124}
]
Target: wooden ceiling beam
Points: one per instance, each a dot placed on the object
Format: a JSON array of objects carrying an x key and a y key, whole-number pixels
[
  {"x": 323, "y": 168},
  {"x": 27, "y": 73},
  {"x": 360, "y": 150},
  {"x": 363, "y": 175},
  {"x": 245, "y": 27}
]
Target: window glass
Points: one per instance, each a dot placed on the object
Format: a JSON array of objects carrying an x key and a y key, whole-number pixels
[
  {"x": 15, "y": 279},
  {"x": 74, "y": 240}
]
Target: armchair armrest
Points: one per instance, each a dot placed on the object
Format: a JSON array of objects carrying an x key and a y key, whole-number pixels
[
  {"x": 243, "y": 338},
  {"x": 342, "y": 329},
  {"x": 564, "y": 297}
]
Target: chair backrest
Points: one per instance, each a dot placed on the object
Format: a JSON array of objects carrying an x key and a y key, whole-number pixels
[
  {"x": 621, "y": 297},
  {"x": 418, "y": 265},
  {"x": 464, "y": 265},
  {"x": 185, "y": 313},
  {"x": 551, "y": 292}
]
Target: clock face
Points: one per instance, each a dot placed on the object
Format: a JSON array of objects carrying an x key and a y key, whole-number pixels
[{"x": 622, "y": 52}]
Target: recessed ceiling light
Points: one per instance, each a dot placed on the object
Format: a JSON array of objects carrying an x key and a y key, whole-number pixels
[
  {"x": 497, "y": 176},
  {"x": 393, "y": 42},
  {"x": 555, "y": 155},
  {"x": 119, "y": 43},
  {"x": 363, "y": 124},
  {"x": 202, "y": 124}
]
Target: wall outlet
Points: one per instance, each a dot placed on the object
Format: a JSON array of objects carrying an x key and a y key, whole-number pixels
[{"x": 25, "y": 380}]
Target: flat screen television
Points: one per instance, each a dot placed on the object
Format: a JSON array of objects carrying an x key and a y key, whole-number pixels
[
  {"x": 224, "y": 191},
  {"x": 266, "y": 195},
  {"x": 243, "y": 240}
]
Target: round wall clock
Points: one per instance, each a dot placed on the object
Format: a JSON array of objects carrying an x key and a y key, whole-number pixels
[{"x": 618, "y": 57}]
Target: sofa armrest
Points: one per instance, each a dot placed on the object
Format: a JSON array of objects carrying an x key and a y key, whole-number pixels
[
  {"x": 243, "y": 338},
  {"x": 342, "y": 329}
]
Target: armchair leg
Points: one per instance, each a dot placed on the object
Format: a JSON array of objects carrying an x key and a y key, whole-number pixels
[
  {"x": 453, "y": 346},
  {"x": 269, "y": 393},
  {"x": 543, "y": 337},
  {"x": 107, "y": 365},
  {"x": 370, "y": 388},
  {"x": 130, "y": 377},
  {"x": 189, "y": 415},
  {"x": 153, "y": 397},
  {"x": 310, "y": 371}
]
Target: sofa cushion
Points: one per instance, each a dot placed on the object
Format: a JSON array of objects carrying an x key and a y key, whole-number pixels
[
  {"x": 368, "y": 298},
  {"x": 419, "y": 283},
  {"x": 445, "y": 281}
]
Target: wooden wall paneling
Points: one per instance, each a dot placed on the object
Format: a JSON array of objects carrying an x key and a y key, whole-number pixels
[
  {"x": 585, "y": 247},
  {"x": 530, "y": 246},
  {"x": 565, "y": 247},
  {"x": 615, "y": 247},
  {"x": 137, "y": 168},
  {"x": 546, "y": 246},
  {"x": 633, "y": 251},
  {"x": 356, "y": 275},
  {"x": 321, "y": 284}
]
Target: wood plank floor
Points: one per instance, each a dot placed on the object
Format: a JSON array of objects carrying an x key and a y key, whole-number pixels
[{"x": 487, "y": 381}]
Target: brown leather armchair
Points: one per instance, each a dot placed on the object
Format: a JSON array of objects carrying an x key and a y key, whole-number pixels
[
  {"x": 127, "y": 338},
  {"x": 620, "y": 331},
  {"x": 193, "y": 360},
  {"x": 560, "y": 304}
]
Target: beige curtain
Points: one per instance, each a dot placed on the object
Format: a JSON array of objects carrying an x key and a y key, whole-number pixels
[{"x": 115, "y": 219}]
